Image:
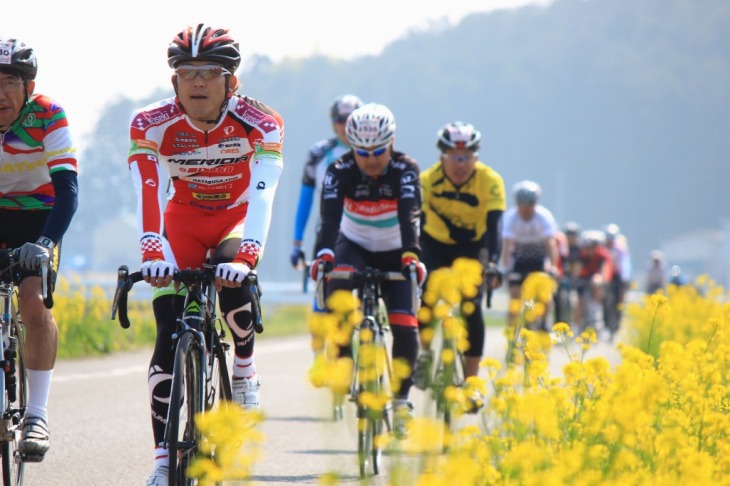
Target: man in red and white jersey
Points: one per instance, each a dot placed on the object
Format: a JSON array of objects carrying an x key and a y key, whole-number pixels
[
  {"x": 38, "y": 198},
  {"x": 221, "y": 153}
]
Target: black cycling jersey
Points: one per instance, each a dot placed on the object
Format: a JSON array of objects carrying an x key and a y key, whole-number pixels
[{"x": 377, "y": 213}]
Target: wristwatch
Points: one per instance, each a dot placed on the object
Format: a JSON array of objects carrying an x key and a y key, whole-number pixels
[{"x": 46, "y": 242}]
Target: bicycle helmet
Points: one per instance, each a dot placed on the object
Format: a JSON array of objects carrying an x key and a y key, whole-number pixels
[
  {"x": 369, "y": 126},
  {"x": 526, "y": 192},
  {"x": 458, "y": 135},
  {"x": 204, "y": 43},
  {"x": 343, "y": 106},
  {"x": 591, "y": 238},
  {"x": 571, "y": 228},
  {"x": 17, "y": 57},
  {"x": 611, "y": 231}
]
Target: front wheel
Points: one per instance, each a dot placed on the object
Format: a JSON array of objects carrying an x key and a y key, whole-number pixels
[
  {"x": 186, "y": 400},
  {"x": 16, "y": 400}
]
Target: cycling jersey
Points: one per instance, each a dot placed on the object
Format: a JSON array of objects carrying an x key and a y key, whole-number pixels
[
  {"x": 38, "y": 165},
  {"x": 377, "y": 213},
  {"x": 591, "y": 264},
  {"x": 458, "y": 214},
  {"x": 233, "y": 167},
  {"x": 621, "y": 258},
  {"x": 529, "y": 237},
  {"x": 320, "y": 156}
]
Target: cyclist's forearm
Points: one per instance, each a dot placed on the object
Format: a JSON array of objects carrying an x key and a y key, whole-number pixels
[
  {"x": 65, "y": 185},
  {"x": 304, "y": 208}
]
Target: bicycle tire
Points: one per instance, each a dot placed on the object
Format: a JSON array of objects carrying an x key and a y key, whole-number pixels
[
  {"x": 12, "y": 465},
  {"x": 185, "y": 397},
  {"x": 218, "y": 379}
]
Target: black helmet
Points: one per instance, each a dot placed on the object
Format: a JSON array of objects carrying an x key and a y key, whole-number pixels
[
  {"x": 204, "y": 43},
  {"x": 458, "y": 135},
  {"x": 18, "y": 57},
  {"x": 343, "y": 106}
]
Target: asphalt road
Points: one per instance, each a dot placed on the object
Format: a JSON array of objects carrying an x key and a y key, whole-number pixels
[{"x": 100, "y": 429}]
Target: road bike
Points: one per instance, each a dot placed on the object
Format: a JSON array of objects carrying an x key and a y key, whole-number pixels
[
  {"x": 200, "y": 376},
  {"x": 13, "y": 377},
  {"x": 444, "y": 363},
  {"x": 370, "y": 387}
]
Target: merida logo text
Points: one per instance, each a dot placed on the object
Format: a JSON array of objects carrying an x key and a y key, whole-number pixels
[{"x": 209, "y": 162}]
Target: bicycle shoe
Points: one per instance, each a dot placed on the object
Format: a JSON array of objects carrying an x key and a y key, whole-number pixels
[
  {"x": 422, "y": 370},
  {"x": 246, "y": 391},
  {"x": 159, "y": 477},
  {"x": 34, "y": 439},
  {"x": 402, "y": 415}
]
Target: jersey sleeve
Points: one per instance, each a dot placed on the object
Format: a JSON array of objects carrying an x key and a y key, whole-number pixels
[
  {"x": 331, "y": 207},
  {"x": 266, "y": 167},
  {"x": 409, "y": 208},
  {"x": 149, "y": 181},
  {"x": 496, "y": 199}
]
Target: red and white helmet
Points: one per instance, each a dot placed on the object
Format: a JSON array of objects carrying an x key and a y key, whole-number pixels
[{"x": 204, "y": 43}]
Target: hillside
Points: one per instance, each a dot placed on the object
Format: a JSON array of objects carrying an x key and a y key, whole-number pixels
[{"x": 619, "y": 109}]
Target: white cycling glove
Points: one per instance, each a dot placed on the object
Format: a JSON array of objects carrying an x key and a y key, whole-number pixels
[
  {"x": 157, "y": 269},
  {"x": 33, "y": 255},
  {"x": 231, "y": 271}
]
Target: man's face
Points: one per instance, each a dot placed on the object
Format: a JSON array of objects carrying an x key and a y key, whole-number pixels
[
  {"x": 458, "y": 164},
  {"x": 12, "y": 98},
  {"x": 526, "y": 211},
  {"x": 339, "y": 128},
  {"x": 201, "y": 88},
  {"x": 372, "y": 162}
]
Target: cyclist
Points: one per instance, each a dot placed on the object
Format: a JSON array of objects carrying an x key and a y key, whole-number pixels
[
  {"x": 370, "y": 210},
  {"x": 594, "y": 277},
  {"x": 38, "y": 198},
  {"x": 222, "y": 154},
  {"x": 568, "y": 251},
  {"x": 320, "y": 156},
  {"x": 618, "y": 246},
  {"x": 656, "y": 274},
  {"x": 463, "y": 202},
  {"x": 529, "y": 239}
]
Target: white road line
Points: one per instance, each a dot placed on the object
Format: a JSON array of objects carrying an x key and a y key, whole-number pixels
[{"x": 265, "y": 347}]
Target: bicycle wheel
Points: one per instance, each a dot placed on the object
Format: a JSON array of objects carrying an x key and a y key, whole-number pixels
[
  {"x": 13, "y": 466},
  {"x": 370, "y": 426},
  {"x": 218, "y": 380},
  {"x": 186, "y": 401}
]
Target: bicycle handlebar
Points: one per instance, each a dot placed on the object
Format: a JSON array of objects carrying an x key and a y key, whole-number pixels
[
  {"x": 126, "y": 280},
  {"x": 10, "y": 258},
  {"x": 368, "y": 275}
]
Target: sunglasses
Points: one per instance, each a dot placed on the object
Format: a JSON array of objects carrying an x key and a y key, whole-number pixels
[
  {"x": 206, "y": 72},
  {"x": 375, "y": 153},
  {"x": 459, "y": 157}
]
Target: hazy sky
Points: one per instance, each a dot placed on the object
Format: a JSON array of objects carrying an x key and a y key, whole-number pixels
[{"x": 91, "y": 52}]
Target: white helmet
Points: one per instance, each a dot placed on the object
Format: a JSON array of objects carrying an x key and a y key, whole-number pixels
[
  {"x": 343, "y": 106},
  {"x": 592, "y": 238},
  {"x": 526, "y": 192},
  {"x": 458, "y": 135},
  {"x": 370, "y": 126}
]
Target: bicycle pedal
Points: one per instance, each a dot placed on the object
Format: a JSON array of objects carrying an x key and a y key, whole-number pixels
[{"x": 32, "y": 457}]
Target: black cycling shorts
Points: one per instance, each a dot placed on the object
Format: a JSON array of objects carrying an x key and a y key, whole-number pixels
[{"x": 18, "y": 227}]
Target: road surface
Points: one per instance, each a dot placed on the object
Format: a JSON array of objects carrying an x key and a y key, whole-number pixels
[{"x": 101, "y": 435}]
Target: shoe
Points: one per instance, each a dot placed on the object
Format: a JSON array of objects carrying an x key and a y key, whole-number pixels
[
  {"x": 246, "y": 391},
  {"x": 422, "y": 370},
  {"x": 402, "y": 415},
  {"x": 34, "y": 439},
  {"x": 159, "y": 477}
]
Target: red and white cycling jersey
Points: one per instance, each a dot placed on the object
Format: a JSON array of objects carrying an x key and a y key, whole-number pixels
[{"x": 234, "y": 166}]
